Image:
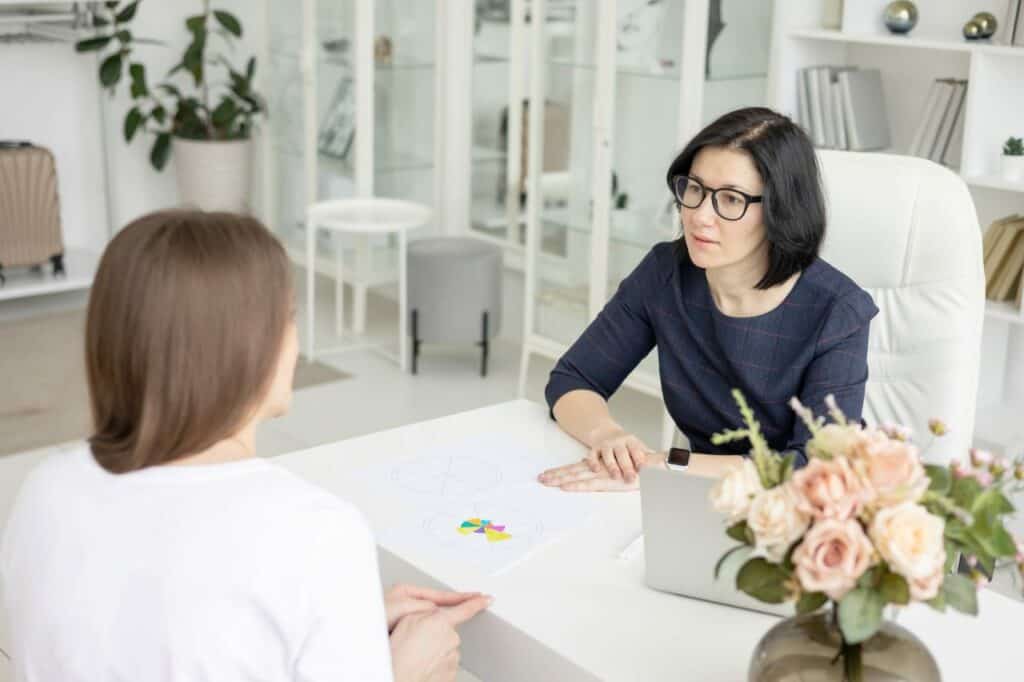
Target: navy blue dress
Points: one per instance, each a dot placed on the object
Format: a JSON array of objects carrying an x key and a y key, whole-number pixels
[{"x": 813, "y": 344}]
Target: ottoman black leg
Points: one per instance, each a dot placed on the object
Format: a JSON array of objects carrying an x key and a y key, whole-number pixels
[
  {"x": 415, "y": 339},
  {"x": 58, "y": 265},
  {"x": 484, "y": 346}
]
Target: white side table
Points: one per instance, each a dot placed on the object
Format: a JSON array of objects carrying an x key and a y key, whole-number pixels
[{"x": 367, "y": 217}]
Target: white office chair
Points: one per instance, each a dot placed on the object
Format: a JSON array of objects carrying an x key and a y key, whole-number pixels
[{"x": 906, "y": 230}]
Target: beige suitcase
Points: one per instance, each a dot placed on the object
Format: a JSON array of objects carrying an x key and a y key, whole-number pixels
[{"x": 30, "y": 233}]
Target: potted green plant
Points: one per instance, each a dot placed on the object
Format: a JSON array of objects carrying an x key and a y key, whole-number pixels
[
  {"x": 204, "y": 108},
  {"x": 1013, "y": 159}
]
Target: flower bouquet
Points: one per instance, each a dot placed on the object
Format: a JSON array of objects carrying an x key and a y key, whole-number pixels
[{"x": 864, "y": 525}]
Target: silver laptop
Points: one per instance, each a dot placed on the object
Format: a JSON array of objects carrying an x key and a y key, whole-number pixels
[{"x": 684, "y": 537}]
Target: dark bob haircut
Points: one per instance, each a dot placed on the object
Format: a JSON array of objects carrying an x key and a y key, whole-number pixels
[{"x": 793, "y": 204}]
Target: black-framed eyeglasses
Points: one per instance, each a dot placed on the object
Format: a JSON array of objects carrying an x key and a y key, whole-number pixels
[{"x": 729, "y": 204}]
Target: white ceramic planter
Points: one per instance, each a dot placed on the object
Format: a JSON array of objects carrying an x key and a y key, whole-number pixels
[
  {"x": 1013, "y": 168},
  {"x": 213, "y": 175}
]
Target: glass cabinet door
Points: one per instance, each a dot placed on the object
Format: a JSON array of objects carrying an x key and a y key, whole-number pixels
[
  {"x": 492, "y": 210},
  {"x": 566, "y": 158},
  {"x": 738, "y": 51},
  {"x": 404, "y": 100}
]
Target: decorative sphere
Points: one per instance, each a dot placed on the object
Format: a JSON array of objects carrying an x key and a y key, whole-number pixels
[
  {"x": 972, "y": 30},
  {"x": 987, "y": 22},
  {"x": 900, "y": 16}
]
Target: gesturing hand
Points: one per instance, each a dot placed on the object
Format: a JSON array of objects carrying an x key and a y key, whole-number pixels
[{"x": 425, "y": 645}]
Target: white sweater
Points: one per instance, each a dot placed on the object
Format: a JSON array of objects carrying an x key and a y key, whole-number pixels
[{"x": 236, "y": 571}]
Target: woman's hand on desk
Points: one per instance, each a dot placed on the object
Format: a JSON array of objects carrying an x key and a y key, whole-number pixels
[
  {"x": 581, "y": 476},
  {"x": 617, "y": 453},
  {"x": 425, "y": 645},
  {"x": 404, "y": 600}
]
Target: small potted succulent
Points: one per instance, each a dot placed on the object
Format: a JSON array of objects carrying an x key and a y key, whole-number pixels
[{"x": 1013, "y": 159}]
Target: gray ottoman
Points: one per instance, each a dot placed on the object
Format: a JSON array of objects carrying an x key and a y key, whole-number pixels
[{"x": 454, "y": 293}]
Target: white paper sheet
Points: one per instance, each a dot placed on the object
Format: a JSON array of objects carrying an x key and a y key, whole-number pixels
[{"x": 479, "y": 480}]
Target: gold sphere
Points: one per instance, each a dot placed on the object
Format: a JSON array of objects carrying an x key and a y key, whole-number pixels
[
  {"x": 972, "y": 30},
  {"x": 987, "y": 22}
]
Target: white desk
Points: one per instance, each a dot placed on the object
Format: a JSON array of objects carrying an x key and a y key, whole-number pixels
[{"x": 575, "y": 612}]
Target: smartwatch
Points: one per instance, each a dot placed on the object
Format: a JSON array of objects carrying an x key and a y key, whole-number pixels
[{"x": 678, "y": 459}]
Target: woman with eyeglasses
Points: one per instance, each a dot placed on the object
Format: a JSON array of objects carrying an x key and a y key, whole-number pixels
[{"x": 740, "y": 300}]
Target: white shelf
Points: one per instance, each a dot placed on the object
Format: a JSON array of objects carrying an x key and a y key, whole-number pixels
[
  {"x": 994, "y": 182},
  {"x": 1005, "y": 311},
  {"x": 908, "y": 41},
  {"x": 80, "y": 265}
]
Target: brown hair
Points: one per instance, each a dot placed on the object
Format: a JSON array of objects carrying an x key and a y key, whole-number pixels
[{"x": 187, "y": 317}]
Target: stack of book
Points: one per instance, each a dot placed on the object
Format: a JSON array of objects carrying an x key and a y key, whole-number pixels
[
  {"x": 1003, "y": 247},
  {"x": 941, "y": 121},
  {"x": 842, "y": 107}
]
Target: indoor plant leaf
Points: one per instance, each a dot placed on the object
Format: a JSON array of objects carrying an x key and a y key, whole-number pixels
[
  {"x": 940, "y": 478},
  {"x": 138, "y": 75},
  {"x": 128, "y": 13},
  {"x": 161, "y": 151},
  {"x": 132, "y": 122},
  {"x": 110, "y": 70},
  {"x": 92, "y": 44},
  {"x": 229, "y": 22},
  {"x": 894, "y": 589},
  {"x": 810, "y": 601},
  {"x": 860, "y": 614}
]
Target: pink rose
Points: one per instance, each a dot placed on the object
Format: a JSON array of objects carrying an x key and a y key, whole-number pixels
[
  {"x": 829, "y": 489},
  {"x": 890, "y": 469},
  {"x": 832, "y": 556}
]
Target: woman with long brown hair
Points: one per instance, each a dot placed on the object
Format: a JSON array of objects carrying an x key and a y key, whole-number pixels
[{"x": 164, "y": 549}]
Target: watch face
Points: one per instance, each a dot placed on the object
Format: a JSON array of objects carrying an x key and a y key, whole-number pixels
[{"x": 679, "y": 457}]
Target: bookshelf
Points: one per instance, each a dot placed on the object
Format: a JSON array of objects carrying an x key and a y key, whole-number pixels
[{"x": 994, "y": 100}]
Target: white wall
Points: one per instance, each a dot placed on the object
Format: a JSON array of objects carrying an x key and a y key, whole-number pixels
[{"x": 50, "y": 95}]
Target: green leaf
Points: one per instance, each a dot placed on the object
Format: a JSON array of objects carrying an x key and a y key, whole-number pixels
[
  {"x": 128, "y": 13},
  {"x": 960, "y": 593},
  {"x": 763, "y": 580},
  {"x": 92, "y": 44},
  {"x": 938, "y": 602},
  {"x": 98, "y": 20},
  {"x": 159, "y": 113},
  {"x": 138, "y": 74},
  {"x": 161, "y": 151},
  {"x": 993, "y": 537},
  {"x": 965, "y": 490},
  {"x": 110, "y": 70},
  {"x": 132, "y": 122},
  {"x": 991, "y": 503},
  {"x": 224, "y": 113},
  {"x": 940, "y": 478},
  {"x": 872, "y": 576},
  {"x": 894, "y": 589},
  {"x": 250, "y": 69},
  {"x": 229, "y": 22},
  {"x": 196, "y": 24},
  {"x": 952, "y": 553},
  {"x": 721, "y": 561},
  {"x": 170, "y": 89},
  {"x": 112, "y": 4},
  {"x": 740, "y": 533},
  {"x": 810, "y": 601},
  {"x": 787, "y": 467},
  {"x": 860, "y": 614},
  {"x": 124, "y": 35}
]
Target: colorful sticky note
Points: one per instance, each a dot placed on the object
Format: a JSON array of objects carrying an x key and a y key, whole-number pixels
[{"x": 477, "y": 526}]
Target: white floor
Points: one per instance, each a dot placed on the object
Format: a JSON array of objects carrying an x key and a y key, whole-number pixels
[{"x": 378, "y": 395}]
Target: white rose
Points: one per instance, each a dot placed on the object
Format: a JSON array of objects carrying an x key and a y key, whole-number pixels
[
  {"x": 834, "y": 439},
  {"x": 733, "y": 493},
  {"x": 910, "y": 540},
  {"x": 776, "y": 522}
]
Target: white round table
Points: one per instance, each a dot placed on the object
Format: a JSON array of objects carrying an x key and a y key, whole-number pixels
[{"x": 366, "y": 216}]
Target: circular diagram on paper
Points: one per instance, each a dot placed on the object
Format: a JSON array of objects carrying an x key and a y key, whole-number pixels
[{"x": 448, "y": 477}]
